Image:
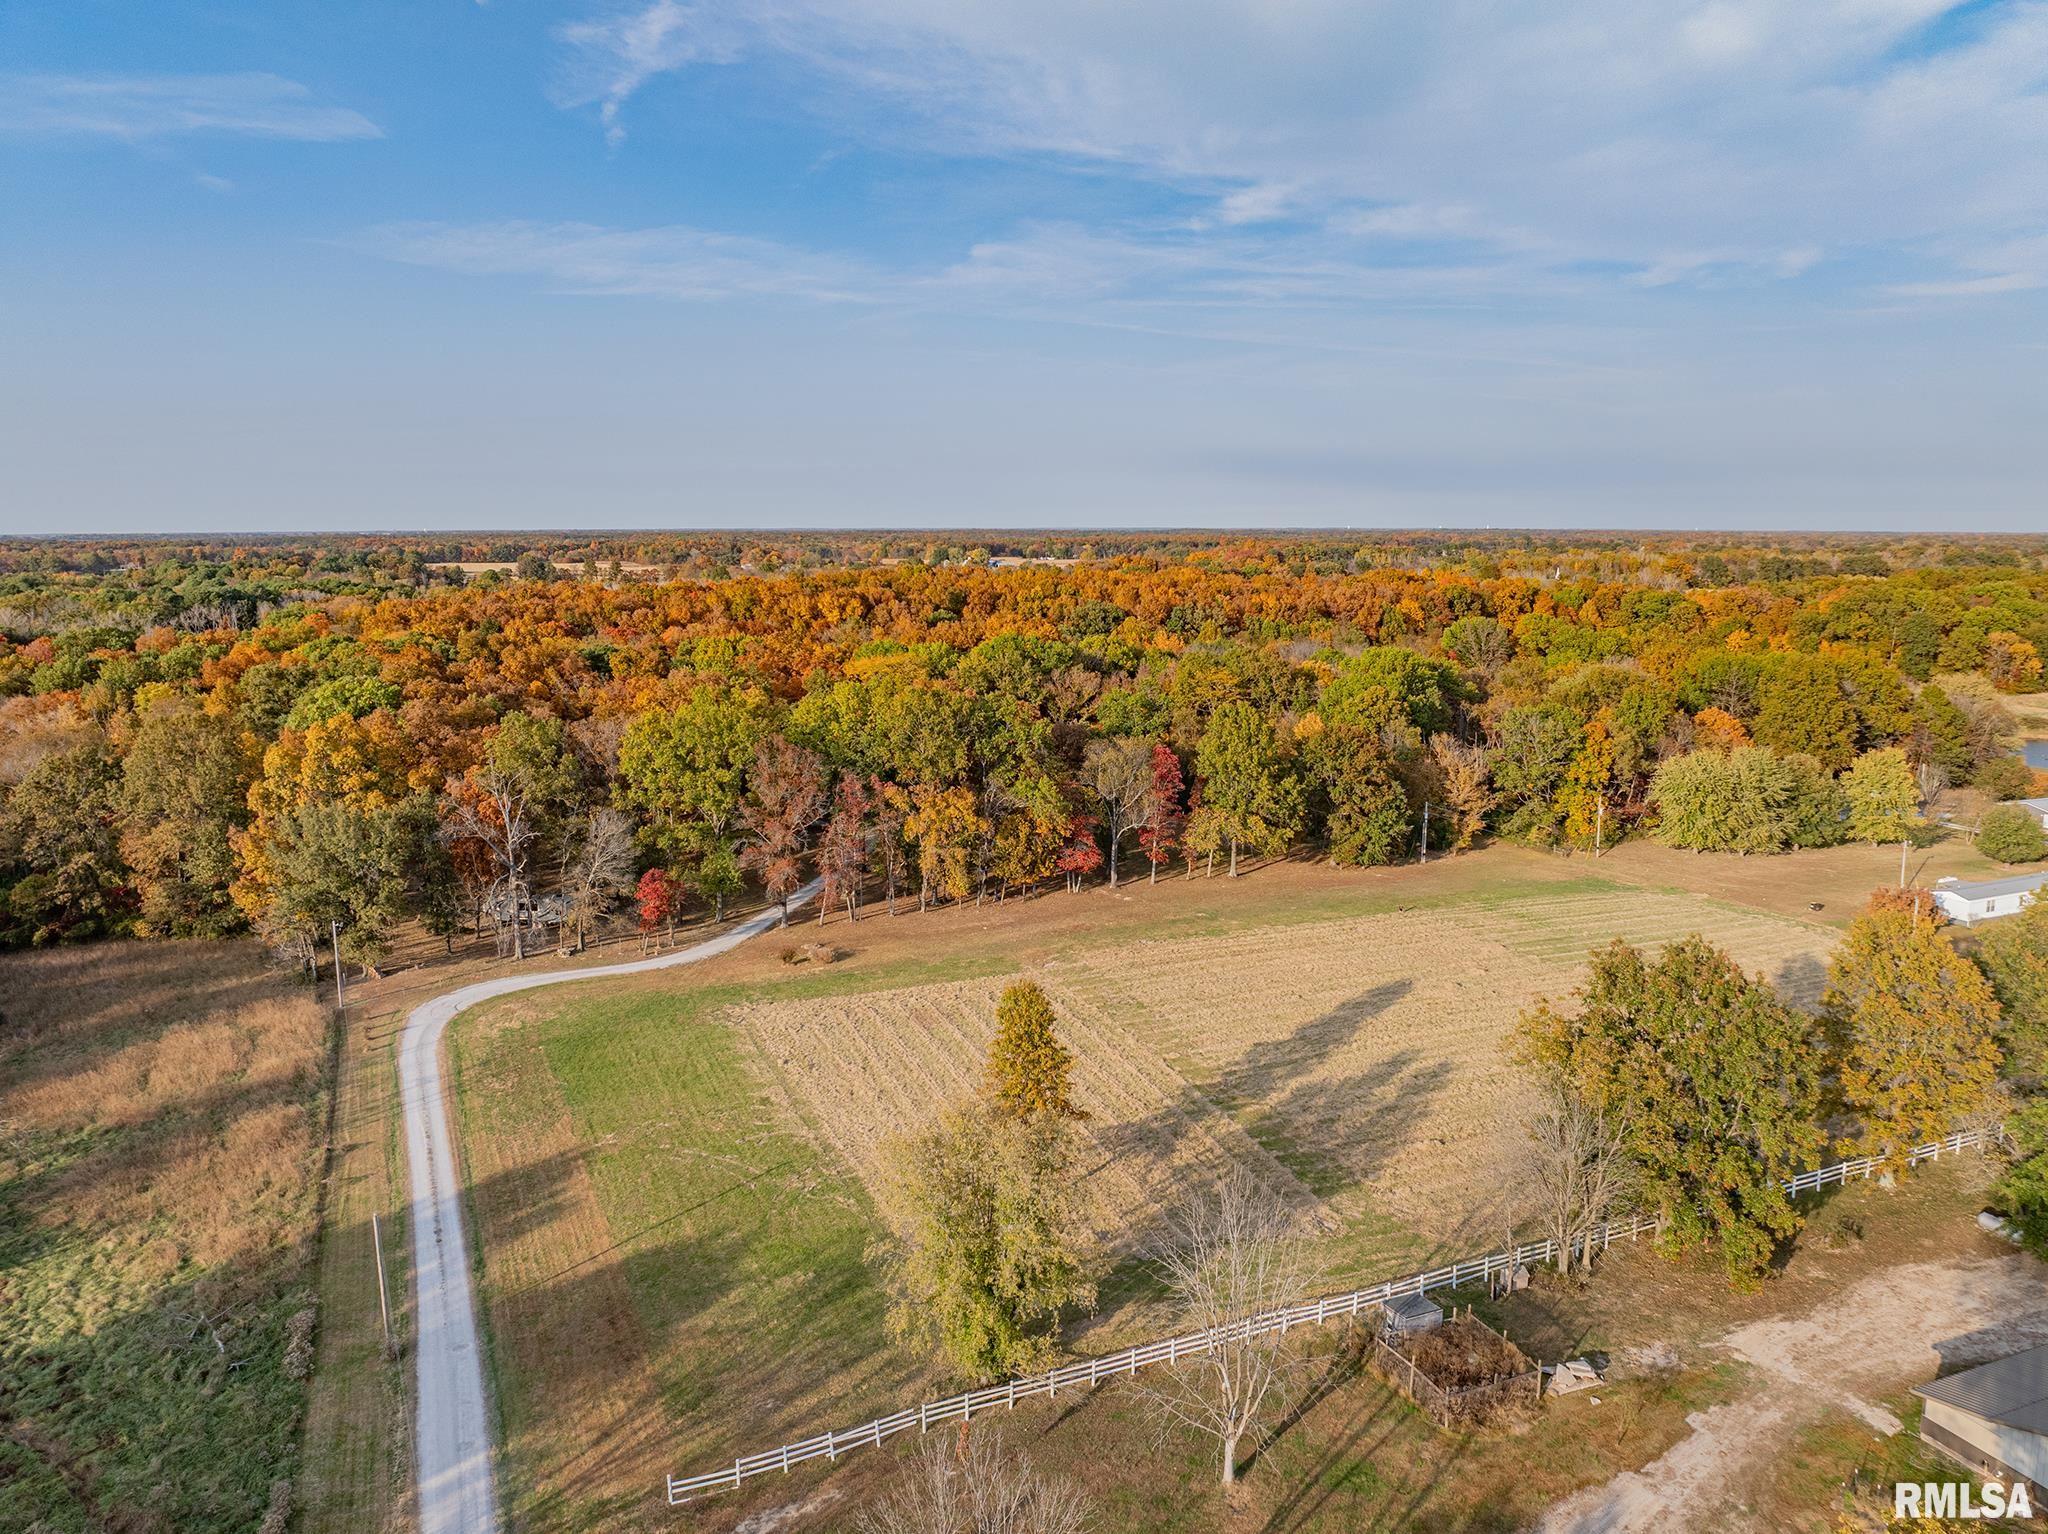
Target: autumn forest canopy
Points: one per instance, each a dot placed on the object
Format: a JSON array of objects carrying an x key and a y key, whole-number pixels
[{"x": 199, "y": 737}]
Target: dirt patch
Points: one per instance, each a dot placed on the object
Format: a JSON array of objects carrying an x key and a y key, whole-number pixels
[{"x": 1894, "y": 1328}]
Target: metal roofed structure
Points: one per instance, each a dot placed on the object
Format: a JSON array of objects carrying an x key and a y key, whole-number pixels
[
  {"x": 1979, "y": 899},
  {"x": 1994, "y": 1418}
]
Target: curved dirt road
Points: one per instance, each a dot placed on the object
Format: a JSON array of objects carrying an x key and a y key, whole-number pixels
[{"x": 457, "y": 1494}]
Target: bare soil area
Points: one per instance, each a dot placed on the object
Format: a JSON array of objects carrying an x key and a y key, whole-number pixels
[{"x": 1896, "y": 1327}]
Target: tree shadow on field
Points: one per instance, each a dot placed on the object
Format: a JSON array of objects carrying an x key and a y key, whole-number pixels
[
  {"x": 683, "y": 1341},
  {"x": 1800, "y": 980},
  {"x": 110, "y": 1170},
  {"x": 1313, "y": 1130},
  {"x": 172, "y": 1417},
  {"x": 32, "y": 1056},
  {"x": 1269, "y": 1066},
  {"x": 1335, "y": 1135}
]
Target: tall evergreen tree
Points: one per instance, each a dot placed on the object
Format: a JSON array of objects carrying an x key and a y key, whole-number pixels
[{"x": 1030, "y": 1073}]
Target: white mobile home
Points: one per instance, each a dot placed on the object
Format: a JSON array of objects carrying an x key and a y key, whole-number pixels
[
  {"x": 1985, "y": 899},
  {"x": 1993, "y": 1419},
  {"x": 2037, "y": 810}
]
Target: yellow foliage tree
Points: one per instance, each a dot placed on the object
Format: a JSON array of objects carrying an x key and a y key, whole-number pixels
[
  {"x": 1917, "y": 1026},
  {"x": 1030, "y": 1073}
]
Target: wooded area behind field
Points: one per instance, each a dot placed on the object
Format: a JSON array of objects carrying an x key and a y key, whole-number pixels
[{"x": 291, "y": 736}]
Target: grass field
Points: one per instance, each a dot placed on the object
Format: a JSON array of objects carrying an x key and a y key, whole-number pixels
[
  {"x": 674, "y": 1180},
  {"x": 1355, "y": 1066},
  {"x": 162, "y": 1120}
]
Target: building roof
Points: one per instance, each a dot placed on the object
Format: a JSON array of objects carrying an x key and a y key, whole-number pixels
[
  {"x": 2038, "y": 806},
  {"x": 2013, "y": 1391},
  {"x": 1990, "y": 889},
  {"x": 1414, "y": 1305}
]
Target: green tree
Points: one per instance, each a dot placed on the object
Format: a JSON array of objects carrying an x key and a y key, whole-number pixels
[
  {"x": 61, "y": 874},
  {"x": 1801, "y": 710},
  {"x": 1030, "y": 1073},
  {"x": 1941, "y": 735},
  {"x": 184, "y": 794},
  {"x": 1366, "y": 819},
  {"x": 1246, "y": 783},
  {"x": 2021, "y": 1194},
  {"x": 2014, "y": 954},
  {"x": 991, "y": 1259},
  {"x": 1384, "y": 683},
  {"x": 1534, "y": 751},
  {"x": 338, "y": 861},
  {"x": 685, "y": 770},
  {"x": 2011, "y": 834},
  {"x": 1716, "y": 1079},
  {"x": 1916, "y": 1029},
  {"x": 1883, "y": 798},
  {"x": 1745, "y": 800}
]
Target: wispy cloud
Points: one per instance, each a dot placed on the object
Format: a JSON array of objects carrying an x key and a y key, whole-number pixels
[
  {"x": 1970, "y": 287},
  {"x": 611, "y": 57},
  {"x": 671, "y": 262},
  {"x": 1762, "y": 133},
  {"x": 139, "y": 107}
]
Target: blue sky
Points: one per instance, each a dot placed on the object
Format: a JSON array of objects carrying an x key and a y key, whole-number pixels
[{"x": 1739, "y": 263}]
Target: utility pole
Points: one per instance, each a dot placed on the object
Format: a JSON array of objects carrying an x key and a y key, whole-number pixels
[
  {"x": 1902, "y": 863},
  {"x": 340, "y": 995},
  {"x": 1425, "y": 830},
  {"x": 1599, "y": 824}
]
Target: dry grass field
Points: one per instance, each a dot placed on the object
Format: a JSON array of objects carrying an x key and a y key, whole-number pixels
[
  {"x": 1354, "y": 1065},
  {"x": 675, "y": 1179},
  {"x": 162, "y": 1117}
]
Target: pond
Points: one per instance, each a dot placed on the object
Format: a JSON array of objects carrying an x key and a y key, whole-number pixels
[{"x": 2036, "y": 753}]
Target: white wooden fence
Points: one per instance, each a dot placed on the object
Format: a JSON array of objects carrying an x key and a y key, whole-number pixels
[{"x": 1310, "y": 1312}]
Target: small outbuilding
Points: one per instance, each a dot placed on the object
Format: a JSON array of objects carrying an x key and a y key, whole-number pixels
[
  {"x": 2037, "y": 809},
  {"x": 1993, "y": 1419},
  {"x": 1412, "y": 1314},
  {"x": 1978, "y": 900}
]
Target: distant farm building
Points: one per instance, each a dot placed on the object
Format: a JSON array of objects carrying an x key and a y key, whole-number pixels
[
  {"x": 1984, "y": 899},
  {"x": 1993, "y": 1419}
]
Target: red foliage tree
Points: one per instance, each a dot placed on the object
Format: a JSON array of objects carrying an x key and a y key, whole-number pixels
[
  {"x": 843, "y": 850},
  {"x": 660, "y": 896},
  {"x": 1082, "y": 855},
  {"x": 1165, "y": 814}
]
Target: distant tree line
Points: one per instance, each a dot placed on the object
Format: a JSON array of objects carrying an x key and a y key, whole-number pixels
[{"x": 518, "y": 758}]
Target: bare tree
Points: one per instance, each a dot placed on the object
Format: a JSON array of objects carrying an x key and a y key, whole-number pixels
[
  {"x": 1118, "y": 775},
  {"x": 492, "y": 809},
  {"x": 972, "y": 1485},
  {"x": 1228, "y": 1257},
  {"x": 1930, "y": 778},
  {"x": 600, "y": 866},
  {"x": 1579, "y": 1170}
]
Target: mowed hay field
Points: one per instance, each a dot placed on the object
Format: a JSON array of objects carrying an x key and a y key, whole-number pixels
[
  {"x": 162, "y": 1114},
  {"x": 1354, "y": 1066},
  {"x": 676, "y": 1180}
]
